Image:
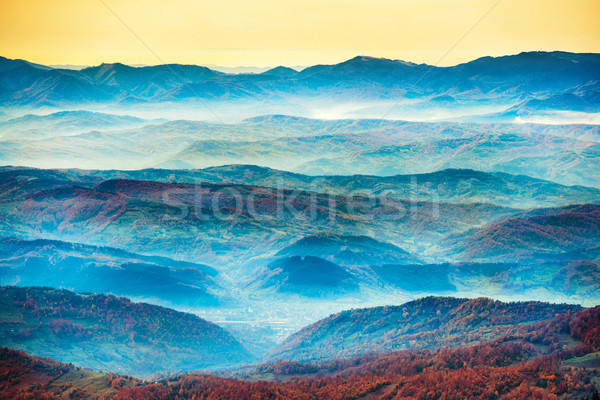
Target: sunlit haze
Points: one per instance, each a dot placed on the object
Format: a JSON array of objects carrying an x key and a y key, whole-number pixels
[{"x": 268, "y": 32}]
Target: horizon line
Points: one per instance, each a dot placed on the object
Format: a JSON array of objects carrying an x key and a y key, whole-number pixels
[{"x": 295, "y": 67}]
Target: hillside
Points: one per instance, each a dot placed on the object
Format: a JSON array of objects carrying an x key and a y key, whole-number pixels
[
  {"x": 573, "y": 280},
  {"x": 65, "y": 123},
  {"x": 236, "y": 228},
  {"x": 560, "y": 159},
  {"x": 22, "y": 182},
  {"x": 451, "y": 185},
  {"x": 547, "y": 360},
  {"x": 346, "y": 250},
  {"x": 194, "y": 221},
  {"x": 27, "y": 377},
  {"x": 107, "y": 270},
  {"x": 543, "y": 231},
  {"x": 105, "y": 332},
  {"x": 304, "y": 275},
  {"x": 563, "y": 154},
  {"x": 427, "y": 323},
  {"x": 508, "y": 79}
]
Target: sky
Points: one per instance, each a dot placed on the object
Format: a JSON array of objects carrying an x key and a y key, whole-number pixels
[{"x": 281, "y": 32}]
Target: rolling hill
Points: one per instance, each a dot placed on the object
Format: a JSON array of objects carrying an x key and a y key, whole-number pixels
[
  {"x": 550, "y": 231},
  {"x": 559, "y": 159},
  {"x": 431, "y": 322},
  {"x": 65, "y": 123},
  {"x": 347, "y": 250},
  {"x": 307, "y": 276},
  {"x": 105, "y": 332},
  {"x": 107, "y": 270},
  {"x": 194, "y": 221},
  {"x": 450, "y": 186},
  {"x": 391, "y": 244},
  {"x": 565, "y": 154},
  {"x": 543, "y": 360}
]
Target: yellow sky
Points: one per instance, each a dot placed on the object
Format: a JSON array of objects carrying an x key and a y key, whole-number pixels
[{"x": 273, "y": 32}]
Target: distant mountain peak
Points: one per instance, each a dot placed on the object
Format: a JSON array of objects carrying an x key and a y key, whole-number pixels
[
  {"x": 368, "y": 58},
  {"x": 371, "y": 60},
  {"x": 281, "y": 71},
  {"x": 377, "y": 60},
  {"x": 114, "y": 65}
]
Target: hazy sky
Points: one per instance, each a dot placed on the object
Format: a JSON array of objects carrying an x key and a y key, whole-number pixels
[{"x": 273, "y": 32}]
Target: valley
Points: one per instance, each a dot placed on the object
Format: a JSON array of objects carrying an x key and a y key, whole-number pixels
[{"x": 542, "y": 359}]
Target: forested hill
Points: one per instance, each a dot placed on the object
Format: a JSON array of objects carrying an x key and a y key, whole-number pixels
[
  {"x": 430, "y": 322},
  {"x": 105, "y": 332},
  {"x": 548, "y": 360}
]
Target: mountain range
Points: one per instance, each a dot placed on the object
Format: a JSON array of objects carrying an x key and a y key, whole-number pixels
[
  {"x": 198, "y": 238},
  {"x": 564, "y": 154},
  {"x": 500, "y": 82},
  {"x": 451, "y": 185},
  {"x": 372, "y": 229}
]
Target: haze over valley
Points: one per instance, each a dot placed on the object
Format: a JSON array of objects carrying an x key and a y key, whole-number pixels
[{"x": 353, "y": 230}]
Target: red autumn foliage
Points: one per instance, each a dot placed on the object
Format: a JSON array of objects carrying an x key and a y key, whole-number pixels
[{"x": 507, "y": 368}]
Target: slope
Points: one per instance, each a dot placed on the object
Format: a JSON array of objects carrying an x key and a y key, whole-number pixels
[
  {"x": 109, "y": 333},
  {"x": 430, "y": 322}
]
